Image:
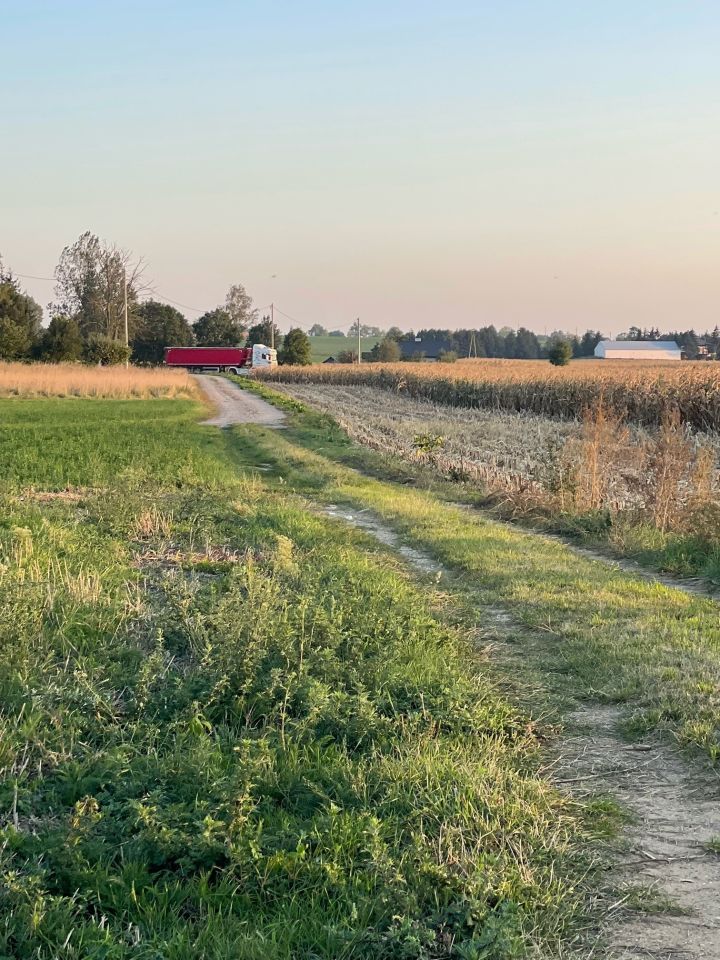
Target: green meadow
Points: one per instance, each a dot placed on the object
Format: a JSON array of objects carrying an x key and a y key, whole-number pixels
[
  {"x": 231, "y": 727},
  {"x": 323, "y": 347}
]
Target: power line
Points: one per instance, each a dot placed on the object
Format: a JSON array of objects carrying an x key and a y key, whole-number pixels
[
  {"x": 160, "y": 296},
  {"x": 30, "y": 276},
  {"x": 287, "y": 316},
  {"x": 175, "y": 303}
]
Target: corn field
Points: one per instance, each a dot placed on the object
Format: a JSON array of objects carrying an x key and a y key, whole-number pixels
[{"x": 636, "y": 392}]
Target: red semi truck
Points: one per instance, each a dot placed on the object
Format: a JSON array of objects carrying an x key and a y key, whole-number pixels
[{"x": 221, "y": 359}]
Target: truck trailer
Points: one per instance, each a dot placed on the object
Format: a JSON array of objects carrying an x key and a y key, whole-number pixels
[{"x": 221, "y": 359}]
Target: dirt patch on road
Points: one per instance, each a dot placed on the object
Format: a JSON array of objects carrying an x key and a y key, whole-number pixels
[
  {"x": 235, "y": 405},
  {"x": 367, "y": 521},
  {"x": 670, "y": 868}
]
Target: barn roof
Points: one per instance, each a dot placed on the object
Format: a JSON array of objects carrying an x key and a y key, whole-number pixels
[
  {"x": 428, "y": 347},
  {"x": 640, "y": 345}
]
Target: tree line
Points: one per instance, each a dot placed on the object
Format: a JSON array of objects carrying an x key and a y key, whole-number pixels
[
  {"x": 97, "y": 284},
  {"x": 450, "y": 345},
  {"x": 521, "y": 344}
]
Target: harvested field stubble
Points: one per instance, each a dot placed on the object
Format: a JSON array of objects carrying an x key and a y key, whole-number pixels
[
  {"x": 77, "y": 380},
  {"x": 665, "y": 476},
  {"x": 513, "y": 452},
  {"x": 639, "y": 392}
]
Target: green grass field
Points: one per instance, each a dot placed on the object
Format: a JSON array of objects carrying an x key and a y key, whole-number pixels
[
  {"x": 324, "y": 347},
  {"x": 233, "y": 728}
]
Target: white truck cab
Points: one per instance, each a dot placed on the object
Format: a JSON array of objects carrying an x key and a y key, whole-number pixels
[{"x": 263, "y": 356}]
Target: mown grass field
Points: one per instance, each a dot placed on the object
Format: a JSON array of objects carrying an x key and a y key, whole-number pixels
[
  {"x": 636, "y": 392},
  {"x": 231, "y": 728},
  {"x": 324, "y": 347}
]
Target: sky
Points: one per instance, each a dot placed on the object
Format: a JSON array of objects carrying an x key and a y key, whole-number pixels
[{"x": 539, "y": 163}]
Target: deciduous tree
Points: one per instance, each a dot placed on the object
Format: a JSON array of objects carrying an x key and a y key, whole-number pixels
[
  {"x": 159, "y": 326},
  {"x": 265, "y": 332},
  {"x": 388, "y": 350},
  {"x": 295, "y": 348},
  {"x": 216, "y": 328},
  {"x": 239, "y": 305},
  {"x": 105, "y": 351},
  {"x": 90, "y": 286},
  {"x": 560, "y": 353},
  {"x": 62, "y": 341}
]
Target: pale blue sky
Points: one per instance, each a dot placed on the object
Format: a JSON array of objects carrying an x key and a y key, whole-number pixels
[{"x": 548, "y": 163}]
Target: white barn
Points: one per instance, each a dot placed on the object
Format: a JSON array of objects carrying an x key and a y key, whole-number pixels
[{"x": 638, "y": 350}]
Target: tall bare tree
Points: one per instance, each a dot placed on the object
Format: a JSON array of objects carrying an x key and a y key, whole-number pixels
[
  {"x": 90, "y": 286},
  {"x": 238, "y": 303}
]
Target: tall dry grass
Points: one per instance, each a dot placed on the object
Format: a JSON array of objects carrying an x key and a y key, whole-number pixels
[
  {"x": 77, "y": 380},
  {"x": 639, "y": 392}
]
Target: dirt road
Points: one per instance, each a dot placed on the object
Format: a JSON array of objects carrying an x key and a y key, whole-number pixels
[{"x": 235, "y": 405}]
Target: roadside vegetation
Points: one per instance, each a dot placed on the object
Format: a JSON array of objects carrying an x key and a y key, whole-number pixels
[{"x": 231, "y": 729}]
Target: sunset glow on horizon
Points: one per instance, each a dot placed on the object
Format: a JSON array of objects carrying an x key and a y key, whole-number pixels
[{"x": 540, "y": 164}]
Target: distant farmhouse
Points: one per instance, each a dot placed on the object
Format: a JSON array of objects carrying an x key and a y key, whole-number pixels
[
  {"x": 425, "y": 348},
  {"x": 638, "y": 350}
]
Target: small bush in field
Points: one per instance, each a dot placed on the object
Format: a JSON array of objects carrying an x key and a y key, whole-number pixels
[
  {"x": 560, "y": 353},
  {"x": 428, "y": 442},
  {"x": 105, "y": 351}
]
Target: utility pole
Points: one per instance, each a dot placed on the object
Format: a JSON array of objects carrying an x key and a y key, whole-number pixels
[
  {"x": 125, "y": 314},
  {"x": 359, "y": 346},
  {"x": 272, "y": 326}
]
